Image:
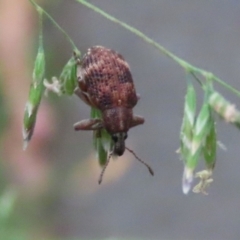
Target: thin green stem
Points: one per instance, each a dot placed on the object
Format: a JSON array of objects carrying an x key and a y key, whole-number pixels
[
  {"x": 136, "y": 32},
  {"x": 229, "y": 87},
  {"x": 40, "y": 9},
  {"x": 40, "y": 27},
  {"x": 184, "y": 64}
]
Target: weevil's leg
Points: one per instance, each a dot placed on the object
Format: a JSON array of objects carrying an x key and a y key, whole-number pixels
[
  {"x": 83, "y": 96},
  {"x": 89, "y": 124},
  {"x": 137, "y": 120}
]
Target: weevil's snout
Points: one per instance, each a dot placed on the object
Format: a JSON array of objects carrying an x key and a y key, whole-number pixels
[
  {"x": 119, "y": 148},
  {"x": 119, "y": 143}
]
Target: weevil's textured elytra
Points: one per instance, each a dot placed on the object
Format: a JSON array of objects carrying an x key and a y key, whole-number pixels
[
  {"x": 105, "y": 82},
  {"x": 107, "y": 79}
]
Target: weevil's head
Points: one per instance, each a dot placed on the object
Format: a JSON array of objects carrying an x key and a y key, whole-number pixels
[
  {"x": 119, "y": 143},
  {"x": 117, "y": 122}
]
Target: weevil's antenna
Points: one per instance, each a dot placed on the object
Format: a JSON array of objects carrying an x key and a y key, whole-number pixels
[
  {"x": 104, "y": 168},
  {"x": 140, "y": 160}
]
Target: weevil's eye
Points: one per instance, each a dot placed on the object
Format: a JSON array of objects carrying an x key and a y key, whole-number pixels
[
  {"x": 115, "y": 138},
  {"x": 119, "y": 137}
]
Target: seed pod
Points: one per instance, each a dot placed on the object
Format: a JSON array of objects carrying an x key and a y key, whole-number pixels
[
  {"x": 186, "y": 133},
  {"x": 34, "y": 98},
  {"x": 224, "y": 109},
  {"x": 210, "y": 147},
  {"x": 200, "y": 130},
  {"x": 68, "y": 77}
]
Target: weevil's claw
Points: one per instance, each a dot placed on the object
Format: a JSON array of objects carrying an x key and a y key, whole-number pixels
[
  {"x": 150, "y": 170},
  {"x": 100, "y": 180}
]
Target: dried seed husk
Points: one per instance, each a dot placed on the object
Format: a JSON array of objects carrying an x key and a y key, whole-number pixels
[
  {"x": 224, "y": 109},
  {"x": 205, "y": 178}
]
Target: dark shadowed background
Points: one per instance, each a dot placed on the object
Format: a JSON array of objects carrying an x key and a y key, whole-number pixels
[{"x": 130, "y": 203}]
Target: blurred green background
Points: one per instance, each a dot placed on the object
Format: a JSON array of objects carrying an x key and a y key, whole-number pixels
[{"x": 50, "y": 191}]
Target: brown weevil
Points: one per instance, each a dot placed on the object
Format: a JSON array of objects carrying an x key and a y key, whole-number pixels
[{"x": 105, "y": 83}]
